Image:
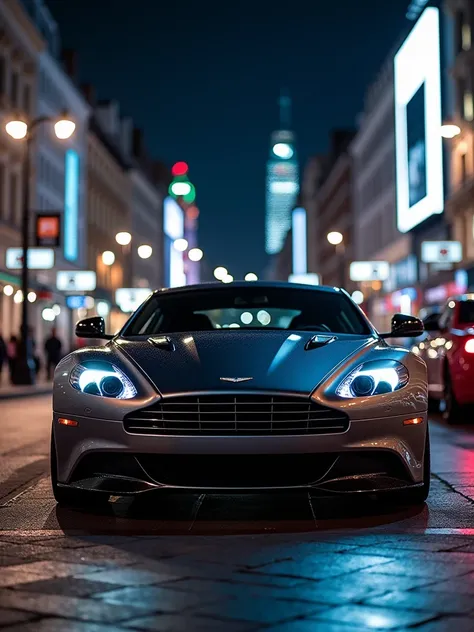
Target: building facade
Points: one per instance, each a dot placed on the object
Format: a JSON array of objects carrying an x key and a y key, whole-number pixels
[
  {"x": 460, "y": 204},
  {"x": 334, "y": 210},
  {"x": 109, "y": 210},
  {"x": 146, "y": 219},
  {"x": 21, "y": 46},
  {"x": 376, "y": 236}
]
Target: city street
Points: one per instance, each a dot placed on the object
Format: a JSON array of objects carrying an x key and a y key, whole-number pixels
[{"x": 274, "y": 562}]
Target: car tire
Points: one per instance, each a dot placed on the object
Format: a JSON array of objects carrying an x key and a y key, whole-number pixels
[
  {"x": 418, "y": 495},
  {"x": 452, "y": 411},
  {"x": 67, "y": 497}
]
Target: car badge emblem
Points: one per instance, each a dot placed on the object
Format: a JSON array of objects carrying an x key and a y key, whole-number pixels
[{"x": 236, "y": 379}]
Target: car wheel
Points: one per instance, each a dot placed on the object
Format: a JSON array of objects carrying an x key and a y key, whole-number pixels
[
  {"x": 71, "y": 497},
  {"x": 418, "y": 495},
  {"x": 453, "y": 411}
]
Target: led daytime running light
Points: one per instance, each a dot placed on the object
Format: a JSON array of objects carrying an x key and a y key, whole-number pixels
[{"x": 91, "y": 381}]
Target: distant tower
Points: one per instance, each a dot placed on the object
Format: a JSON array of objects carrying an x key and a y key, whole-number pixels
[{"x": 282, "y": 180}]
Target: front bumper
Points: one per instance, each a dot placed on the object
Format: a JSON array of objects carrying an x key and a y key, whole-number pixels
[{"x": 372, "y": 455}]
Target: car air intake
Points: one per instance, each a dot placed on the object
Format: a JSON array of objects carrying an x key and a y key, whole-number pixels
[{"x": 236, "y": 415}]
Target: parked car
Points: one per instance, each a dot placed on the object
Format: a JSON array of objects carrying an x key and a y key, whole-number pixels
[
  {"x": 447, "y": 346},
  {"x": 247, "y": 387}
]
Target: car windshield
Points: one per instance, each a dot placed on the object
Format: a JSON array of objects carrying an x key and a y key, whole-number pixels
[
  {"x": 248, "y": 308},
  {"x": 466, "y": 312}
]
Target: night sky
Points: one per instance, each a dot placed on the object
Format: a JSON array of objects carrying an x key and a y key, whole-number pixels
[{"x": 202, "y": 79}]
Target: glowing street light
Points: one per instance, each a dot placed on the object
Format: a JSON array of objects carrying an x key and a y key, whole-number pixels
[
  {"x": 180, "y": 244},
  {"x": 123, "y": 238},
  {"x": 220, "y": 272},
  {"x": 64, "y": 128},
  {"x": 8, "y": 290},
  {"x": 251, "y": 276},
  {"x": 195, "y": 254},
  {"x": 228, "y": 278},
  {"x": 145, "y": 251},
  {"x": 335, "y": 238},
  {"x": 17, "y": 129},
  {"x": 449, "y": 130},
  {"x": 357, "y": 297},
  {"x": 108, "y": 258}
]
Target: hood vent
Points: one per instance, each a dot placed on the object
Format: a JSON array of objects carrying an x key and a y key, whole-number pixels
[
  {"x": 162, "y": 342},
  {"x": 319, "y": 340}
]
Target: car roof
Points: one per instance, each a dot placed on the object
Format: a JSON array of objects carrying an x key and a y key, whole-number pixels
[{"x": 246, "y": 284}]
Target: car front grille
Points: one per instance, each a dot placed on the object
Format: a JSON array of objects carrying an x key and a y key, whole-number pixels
[{"x": 236, "y": 415}]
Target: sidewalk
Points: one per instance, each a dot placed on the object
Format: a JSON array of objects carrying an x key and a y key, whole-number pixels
[{"x": 8, "y": 391}]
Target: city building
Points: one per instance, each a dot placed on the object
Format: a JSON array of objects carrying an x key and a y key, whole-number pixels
[
  {"x": 334, "y": 210},
  {"x": 109, "y": 208},
  {"x": 282, "y": 181},
  {"x": 146, "y": 217},
  {"x": 310, "y": 184},
  {"x": 460, "y": 203},
  {"x": 376, "y": 236},
  {"x": 60, "y": 168},
  {"x": 21, "y": 45},
  {"x": 422, "y": 156}
]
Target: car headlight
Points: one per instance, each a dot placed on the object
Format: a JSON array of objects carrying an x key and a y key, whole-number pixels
[
  {"x": 374, "y": 378},
  {"x": 102, "y": 379}
]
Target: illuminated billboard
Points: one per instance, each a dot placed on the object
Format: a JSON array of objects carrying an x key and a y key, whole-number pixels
[{"x": 418, "y": 119}]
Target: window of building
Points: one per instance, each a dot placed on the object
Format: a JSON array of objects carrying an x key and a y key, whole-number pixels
[
  {"x": 468, "y": 106},
  {"x": 15, "y": 96},
  {"x": 463, "y": 161},
  {"x": 12, "y": 208},
  {"x": 3, "y": 75},
  {"x": 26, "y": 98},
  {"x": 466, "y": 36},
  {"x": 2, "y": 190}
]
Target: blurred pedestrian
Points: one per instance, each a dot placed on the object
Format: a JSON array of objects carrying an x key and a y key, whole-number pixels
[
  {"x": 52, "y": 347},
  {"x": 12, "y": 352},
  {"x": 34, "y": 351},
  {"x": 3, "y": 354}
]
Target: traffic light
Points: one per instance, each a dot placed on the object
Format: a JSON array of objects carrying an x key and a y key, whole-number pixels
[{"x": 179, "y": 168}]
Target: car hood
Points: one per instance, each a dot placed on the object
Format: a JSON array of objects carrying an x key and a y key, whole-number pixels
[{"x": 275, "y": 360}]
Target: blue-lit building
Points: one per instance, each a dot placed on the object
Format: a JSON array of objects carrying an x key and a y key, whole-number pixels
[{"x": 282, "y": 181}]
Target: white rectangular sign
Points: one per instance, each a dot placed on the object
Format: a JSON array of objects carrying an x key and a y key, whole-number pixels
[
  {"x": 309, "y": 278},
  {"x": 418, "y": 118},
  {"x": 76, "y": 281},
  {"x": 441, "y": 251},
  {"x": 369, "y": 271},
  {"x": 38, "y": 258},
  {"x": 130, "y": 299}
]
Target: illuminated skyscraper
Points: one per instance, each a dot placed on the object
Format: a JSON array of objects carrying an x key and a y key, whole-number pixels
[{"x": 282, "y": 181}]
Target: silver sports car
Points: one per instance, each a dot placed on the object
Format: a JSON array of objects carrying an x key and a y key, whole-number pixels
[{"x": 245, "y": 386}]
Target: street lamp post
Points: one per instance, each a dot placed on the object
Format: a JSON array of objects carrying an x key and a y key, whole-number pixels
[{"x": 24, "y": 367}]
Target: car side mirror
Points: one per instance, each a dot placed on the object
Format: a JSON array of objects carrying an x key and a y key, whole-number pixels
[
  {"x": 92, "y": 328},
  {"x": 404, "y": 326}
]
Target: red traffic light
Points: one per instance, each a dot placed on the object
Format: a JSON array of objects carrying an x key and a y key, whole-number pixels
[{"x": 179, "y": 169}]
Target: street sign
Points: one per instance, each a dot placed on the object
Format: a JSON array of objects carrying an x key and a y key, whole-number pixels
[
  {"x": 48, "y": 229},
  {"x": 129, "y": 299},
  {"x": 441, "y": 251},
  {"x": 76, "y": 281},
  {"x": 38, "y": 258},
  {"x": 369, "y": 271}
]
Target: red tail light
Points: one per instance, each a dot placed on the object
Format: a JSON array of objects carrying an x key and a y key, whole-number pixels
[{"x": 469, "y": 345}]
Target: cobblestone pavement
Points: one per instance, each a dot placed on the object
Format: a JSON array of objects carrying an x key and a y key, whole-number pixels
[{"x": 204, "y": 563}]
